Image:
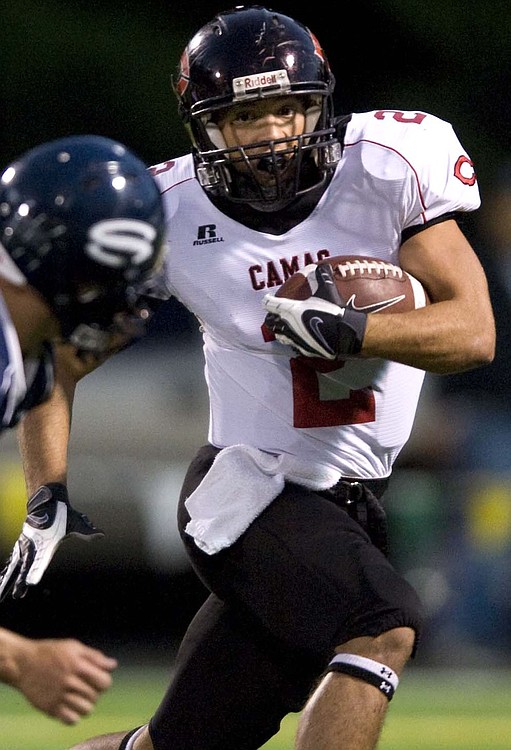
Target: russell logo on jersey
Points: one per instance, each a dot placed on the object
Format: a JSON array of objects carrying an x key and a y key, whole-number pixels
[{"x": 206, "y": 234}]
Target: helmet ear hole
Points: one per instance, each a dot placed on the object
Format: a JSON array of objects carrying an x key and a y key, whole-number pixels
[
  {"x": 215, "y": 134},
  {"x": 312, "y": 115}
]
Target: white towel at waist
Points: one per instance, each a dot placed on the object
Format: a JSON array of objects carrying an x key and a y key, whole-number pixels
[{"x": 241, "y": 483}]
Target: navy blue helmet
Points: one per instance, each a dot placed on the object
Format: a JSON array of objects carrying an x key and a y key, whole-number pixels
[
  {"x": 242, "y": 55},
  {"x": 82, "y": 218}
]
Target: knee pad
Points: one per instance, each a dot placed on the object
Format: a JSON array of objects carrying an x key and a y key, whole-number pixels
[
  {"x": 373, "y": 672},
  {"x": 129, "y": 739}
]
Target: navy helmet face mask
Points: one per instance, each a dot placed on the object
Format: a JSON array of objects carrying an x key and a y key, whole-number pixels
[
  {"x": 82, "y": 219},
  {"x": 248, "y": 54}
]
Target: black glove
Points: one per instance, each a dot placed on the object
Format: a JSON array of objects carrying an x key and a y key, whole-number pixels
[
  {"x": 50, "y": 520},
  {"x": 320, "y": 326}
]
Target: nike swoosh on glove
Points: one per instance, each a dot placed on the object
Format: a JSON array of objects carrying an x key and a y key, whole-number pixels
[
  {"x": 320, "y": 326},
  {"x": 50, "y": 520}
]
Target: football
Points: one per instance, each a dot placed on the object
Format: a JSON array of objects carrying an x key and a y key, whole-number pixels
[{"x": 370, "y": 285}]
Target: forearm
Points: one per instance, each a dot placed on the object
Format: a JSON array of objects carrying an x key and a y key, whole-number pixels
[
  {"x": 437, "y": 338},
  {"x": 457, "y": 331},
  {"x": 11, "y": 647},
  {"x": 43, "y": 436}
]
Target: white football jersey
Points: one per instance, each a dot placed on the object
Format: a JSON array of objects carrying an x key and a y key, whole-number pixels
[
  {"x": 13, "y": 386},
  {"x": 398, "y": 170}
]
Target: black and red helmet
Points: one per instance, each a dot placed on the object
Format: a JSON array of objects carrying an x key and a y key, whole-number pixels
[{"x": 245, "y": 54}]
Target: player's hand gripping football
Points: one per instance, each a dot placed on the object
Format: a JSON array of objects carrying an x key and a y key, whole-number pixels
[
  {"x": 49, "y": 521},
  {"x": 320, "y": 326}
]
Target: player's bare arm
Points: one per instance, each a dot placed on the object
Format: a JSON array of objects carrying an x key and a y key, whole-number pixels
[
  {"x": 458, "y": 331},
  {"x": 43, "y": 434},
  {"x": 43, "y": 437}
]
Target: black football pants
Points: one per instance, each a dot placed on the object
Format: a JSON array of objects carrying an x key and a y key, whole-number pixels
[{"x": 301, "y": 580}]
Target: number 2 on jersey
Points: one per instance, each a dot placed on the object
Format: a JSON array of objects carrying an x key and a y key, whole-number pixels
[{"x": 319, "y": 401}]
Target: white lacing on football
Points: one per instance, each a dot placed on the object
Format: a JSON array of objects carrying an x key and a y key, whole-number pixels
[{"x": 368, "y": 267}]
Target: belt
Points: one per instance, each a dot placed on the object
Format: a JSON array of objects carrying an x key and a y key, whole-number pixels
[
  {"x": 360, "y": 499},
  {"x": 353, "y": 490}
]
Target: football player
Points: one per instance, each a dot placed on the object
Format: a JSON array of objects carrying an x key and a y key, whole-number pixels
[
  {"x": 81, "y": 250},
  {"x": 281, "y": 511}
]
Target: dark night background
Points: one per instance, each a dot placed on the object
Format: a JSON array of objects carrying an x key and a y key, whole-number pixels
[{"x": 106, "y": 68}]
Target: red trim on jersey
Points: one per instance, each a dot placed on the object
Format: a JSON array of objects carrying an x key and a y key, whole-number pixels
[{"x": 395, "y": 151}]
